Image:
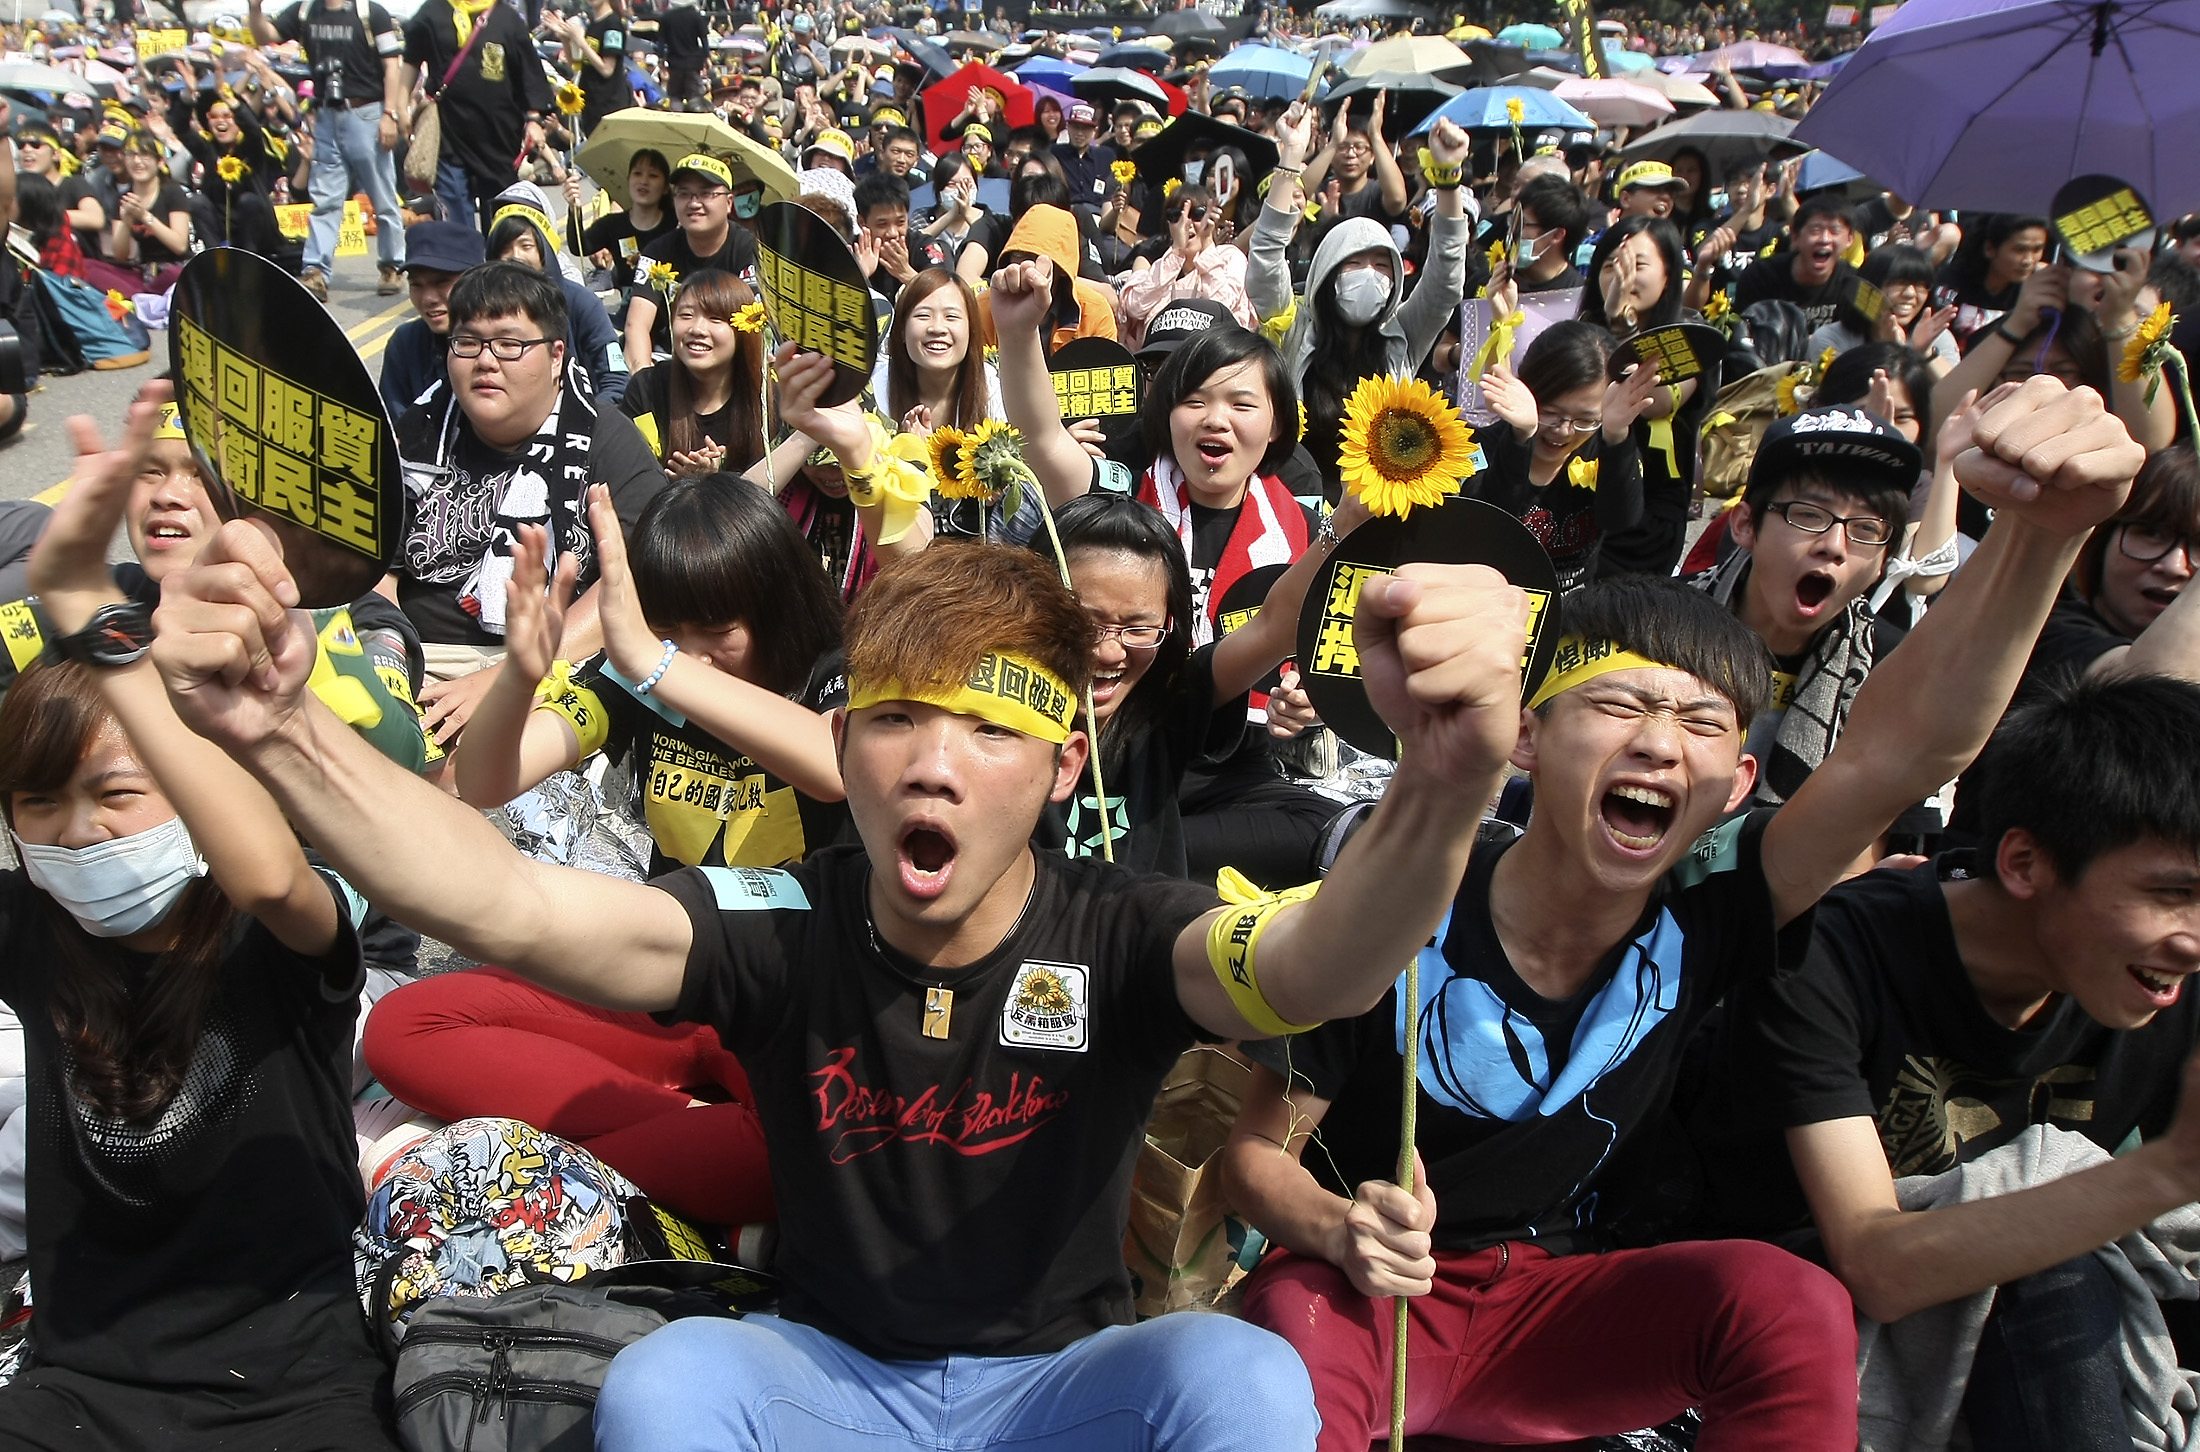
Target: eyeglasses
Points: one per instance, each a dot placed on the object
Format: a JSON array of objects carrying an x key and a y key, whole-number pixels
[
  {"x": 1355, "y": 148},
  {"x": 1568, "y": 426},
  {"x": 685, "y": 197},
  {"x": 1133, "y": 637},
  {"x": 504, "y": 350},
  {"x": 1198, "y": 211},
  {"x": 1863, "y": 529},
  {"x": 2146, "y": 544}
]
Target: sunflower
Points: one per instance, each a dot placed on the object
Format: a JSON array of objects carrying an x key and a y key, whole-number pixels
[
  {"x": 1403, "y": 446},
  {"x": 1514, "y": 111},
  {"x": 1125, "y": 172},
  {"x": 1790, "y": 393},
  {"x": 570, "y": 100},
  {"x": 1171, "y": 187},
  {"x": 232, "y": 169},
  {"x": 660, "y": 275},
  {"x": 749, "y": 319},
  {"x": 1716, "y": 310},
  {"x": 950, "y": 453},
  {"x": 1825, "y": 361},
  {"x": 994, "y": 462},
  {"x": 1302, "y": 420},
  {"x": 1497, "y": 254},
  {"x": 2142, "y": 353}
]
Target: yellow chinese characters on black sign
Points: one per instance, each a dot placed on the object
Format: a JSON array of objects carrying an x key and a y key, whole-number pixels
[
  {"x": 279, "y": 445},
  {"x": 816, "y": 313},
  {"x": 2104, "y": 223},
  {"x": 1097, "y": 392},
  {"x": 1336, "y": 655}
]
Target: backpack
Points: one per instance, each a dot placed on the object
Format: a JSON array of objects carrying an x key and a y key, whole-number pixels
[{"x": 1739, "y": 417}]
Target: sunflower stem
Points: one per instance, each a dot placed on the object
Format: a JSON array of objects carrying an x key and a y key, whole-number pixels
[
  {"x": 1406, "y": 1130},
  {"x": 1061, "y": 562},
  {"x": 2176, "y": 361}
]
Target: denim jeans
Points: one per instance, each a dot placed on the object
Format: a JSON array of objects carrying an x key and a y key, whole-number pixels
[
  {"x": 2048, "y": 1376},
  {"x": 1189, "y": 1382},
  {"x": 347, "y": 159}
]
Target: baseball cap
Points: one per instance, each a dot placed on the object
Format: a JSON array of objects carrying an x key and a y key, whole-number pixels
[
  {"x": 1839, "y": 442},
  {"x": 802, "y": 24},
  {"x": 1655, "y": 174},
  {"x": 1082, "y": 114},
  {"x": 1180, "y": 322},
  {"x": 833, "y": 142},
  {"x": 113, "y": 134},
  {"x": 710, "y": 168},
  {"x": 444, "y": 246}
]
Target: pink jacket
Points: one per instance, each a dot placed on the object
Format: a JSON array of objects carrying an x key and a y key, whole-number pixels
[{"x": 1218, "y": 275}]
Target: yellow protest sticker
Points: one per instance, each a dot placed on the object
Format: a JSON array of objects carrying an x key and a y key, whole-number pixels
[
  {"x": 293, "y": 219},
  {"x": 19, "y": 630},
  {"x": 2100, "y": 225},
  {"x": 151, "y": 43},
  {"x": 279, "y": 445},
  {"x": 1097, "y": 392},
  {"x": 816, "y": 312}
]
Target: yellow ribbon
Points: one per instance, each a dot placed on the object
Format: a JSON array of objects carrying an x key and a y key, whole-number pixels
[
  {"x": 1009, "y": 690},
  {"x": 897, "y": 483},
  {"x": 1498, "y": 346},
  {"x": 1579, "y": 662},
  {"x": 463, "y": 13},
  {"x": 1582, "y": 473},
  {"x": 1661, "y": 439}
]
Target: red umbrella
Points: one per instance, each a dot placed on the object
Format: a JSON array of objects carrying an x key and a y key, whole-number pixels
[{"x": 943, "y": 102}]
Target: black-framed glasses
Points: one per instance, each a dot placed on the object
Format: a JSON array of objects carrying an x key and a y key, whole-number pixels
[
  {"x": 686, "y": 197},
  {"x": 504, "y": 350},
  {"x": 1133, "y": 637},
  {"x": 1869, "y": 530},
  {"x": 1198, "y": 211},
  {"x": 2145, "y": 544}
]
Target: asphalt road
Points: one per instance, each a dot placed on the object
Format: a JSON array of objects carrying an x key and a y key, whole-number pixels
[{"x": 40, "y": 458}]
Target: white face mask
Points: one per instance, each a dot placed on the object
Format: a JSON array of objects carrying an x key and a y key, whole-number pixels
[
  {"x": 1193, "y": 171},
  {"x": 117, "y": 888},
  {"x": 1362, "y": 294},
  {"x": 1530, "y": 250}
]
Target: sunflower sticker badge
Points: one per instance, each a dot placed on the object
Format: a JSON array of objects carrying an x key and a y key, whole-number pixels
[{"x": 1404, "y": 447}]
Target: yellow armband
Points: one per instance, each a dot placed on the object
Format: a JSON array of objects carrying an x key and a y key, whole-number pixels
[
  {"x": 897, "y": 482},
  {"x": 1233, "y": 944},
  {"x": 346, "y": 695},
  {"x": 581, "y": 708}
]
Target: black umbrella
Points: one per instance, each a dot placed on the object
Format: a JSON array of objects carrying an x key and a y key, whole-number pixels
[
  {"x": 1411, "y": 96},
  {"x": 924, "y": 52},
  {"x": 1135, "y": 57},
  {"x": 1117, "y": 83},
  {"x": 1724, "y": 137},
  {"x": 1163, "y": 155},
  {"x": 1194, "y": 31},
  {"x": 1493, "y": 63}
]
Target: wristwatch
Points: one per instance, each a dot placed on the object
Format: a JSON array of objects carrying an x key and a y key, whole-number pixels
[{"x": 118, "y": 633}]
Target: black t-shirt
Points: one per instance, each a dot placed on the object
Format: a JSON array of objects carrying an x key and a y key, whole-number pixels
[
  {"x": 484, "y": 108},
  {"x": 1774, "y": 277},
  {"x": 1882, "y": 1022},
  {"x": 2073, "y": 637},
  {"x": 644, "y": 401},
  {"x": 601, "y": 94},
  {"x": 1563, "y": 515},
  {"x": 618, "y": 235},
  {"x": 707, "y": 805},
  {"x": 965, "y": 1194},
  {"x": 345, "y": 54},
  {"x": 207, "y": 1249},
  {"x": 684, "y": 37},
  {"x": 736, "y": 255},
  {"x": 1751, "y": 245},
  {"x": 74, "y": 190},
  {"x": 1143, "y": 787},
  {"x": 453, "y": 521},
  {"x": 1532, "y": 1112},
  {"x": 1877, "y": 224},
  {"x": 168, "y": 201}
]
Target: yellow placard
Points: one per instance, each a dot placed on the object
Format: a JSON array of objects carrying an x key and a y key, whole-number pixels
[
  {"x": 815, "y": 312},
  {"x": 1097, "y": 392},
  {"x": 2099, "y": 225},
  {"x": 351, "y": 237},
  {"x": 151, "y": 43},
  {"x": 19, "y": 631},
  {"x": 281, "y": 446},
  {"x": 292, "y": 219}
]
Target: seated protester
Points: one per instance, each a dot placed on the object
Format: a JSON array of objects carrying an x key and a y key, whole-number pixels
[
  {"x": 957, "y": 216},
  {"x": 239, "y": 165},
  {"x": 944, "y": 951},
  {"x": 882, "y": 216},
  {"x": 149, "y": 234},
  {"x": 1981, "y": 282},
  {"x": 418, "y": 356},
  {"x": 1636, "y": 286},
  {"x": 708, "y": 236},
  {"x": 1827, "y": 498},
  {"x": 1904, "y": 278},
  {"x": 1811, "y": 271},
  {"x": 1198, "y": 264},
  {"x": 1650, "y": 189},
  {"x": 1566, "y": 468},
  {"x": 1360, "y": 160},
  {"x": 1087, "y": 162},
  {"x": 2015, "y": 1015},
  {"x": 1747, "y": 232},
  {"x": 615, "y": 240},
  {"x": 1081, "y": 309},
  {"x": 38, "y": 153},
  {"x": 510, "y": 440},
  {"x": 701, "y": 410},
  {"x": 1579, "y": 956},
  {"x": 1035, "y": 181},
  {"x": 186, "y": 1056},
  {"x": 521, "y": 232},
  {"x": 734, "y": 704},
  {"x": 1356, "y": 319},
  {"x": 931, "y": 371}
]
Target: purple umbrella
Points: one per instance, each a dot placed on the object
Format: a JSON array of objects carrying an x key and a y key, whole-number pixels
[{"x": 1993, "y": 104}]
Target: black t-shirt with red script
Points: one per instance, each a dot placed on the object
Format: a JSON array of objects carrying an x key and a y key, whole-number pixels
[{"x": 965, "y": 1194}]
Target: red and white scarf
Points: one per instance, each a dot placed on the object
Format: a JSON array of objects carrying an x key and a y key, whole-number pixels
[{"x": 1270, "y": 530}]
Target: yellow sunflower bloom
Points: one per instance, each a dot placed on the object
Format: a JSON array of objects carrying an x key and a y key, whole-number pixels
[
  {"x": 993, "y": 459},
  {"x": 950, "y": 450},
  {"x": 660, "y": 276},
  {"x": 1716, "y": 310},
  {"x": 1514, "y": 111},
  {"x": 1825, "y": 361},
  {"x": 1125, "y": 172},
  {"x": 232, "y": 169},
  {"x": 2145, "y": 340},
  {"x": 1789, "y": 398},
  {"x": 570, "y": 100},
  {"x": 1172, "y": 187},
  {"x": 1403, "y": 446},
  {"x": 1497, "y": 254},
  {"x": 749, "y": 319}
]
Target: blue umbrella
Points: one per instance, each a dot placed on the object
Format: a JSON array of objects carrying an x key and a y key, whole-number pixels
[
  {"x": 1048, "y": 71},
  {"x": 1994, "y": 104},
  {"x": 1619, "y": 62},
  {"x": 1531, "y": 37},
  {"x": 1818, "y": 171},
  {"x": 1262, "y": 71},
  {"x": 1485, "y": 109}
]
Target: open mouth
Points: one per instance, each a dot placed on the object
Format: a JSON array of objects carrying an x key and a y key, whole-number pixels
[
  {"x": 160, "y": 536},
  {"x": 1638, "y": 817},
  {"x": 2161, "y": 989},
  {"x": 1105, "y": 684},
  {"x": 1812, "y": 592},
  {"x": 2161, "y": 597},
  {"x": 926, "y": 857},
  {"x": 939, "y": 347},
  {"x": 1214, "y": 453}
]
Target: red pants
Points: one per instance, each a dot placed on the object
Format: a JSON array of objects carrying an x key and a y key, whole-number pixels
[
  {"x": 1515, "y": 1346},
  {"x": 487, "y": 1042}
]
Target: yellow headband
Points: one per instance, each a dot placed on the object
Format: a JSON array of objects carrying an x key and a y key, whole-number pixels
[
  {"x": 170, "y": 425},
  {"x": 535, "y": 215},
  {"x": 1579, "y": 662},
  {"x": 1008, "y": 690}
]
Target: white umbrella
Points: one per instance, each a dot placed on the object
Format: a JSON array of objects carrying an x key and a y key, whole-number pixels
[
  {"x": 1614, "y": 102},
  {"x": 30, "y": 76},
  {"x": 1424, "y": 54},
  {"x": 1680, "y": 90}
]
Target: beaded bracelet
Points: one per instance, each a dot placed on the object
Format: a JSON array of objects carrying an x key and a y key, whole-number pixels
[{"x": 664, "y": 663}]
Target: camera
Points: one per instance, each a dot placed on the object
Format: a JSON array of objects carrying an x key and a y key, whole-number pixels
[{"x": 12, "y": 376}]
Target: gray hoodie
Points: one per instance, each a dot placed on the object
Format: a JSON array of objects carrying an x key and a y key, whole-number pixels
[{"x": 1411, "y": 328}]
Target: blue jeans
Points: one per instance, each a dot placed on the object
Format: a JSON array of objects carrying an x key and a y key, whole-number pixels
[
  {"x": 1188, "y": 1382},
  {"x": 347, "y": 159},
  {"x": 2048, "y": 1376}
]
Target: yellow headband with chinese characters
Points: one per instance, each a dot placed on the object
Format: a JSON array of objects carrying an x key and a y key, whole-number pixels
[
  {"x": 535, "y": 215},
  {"x": 1008, "y": 690},
  {"x": 1578, "y": 662}
]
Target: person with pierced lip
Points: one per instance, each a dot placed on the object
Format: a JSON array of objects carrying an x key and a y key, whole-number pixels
[
  {"x": 954, "y": 1039},
  {"x": 1554, "y": 1002}
]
